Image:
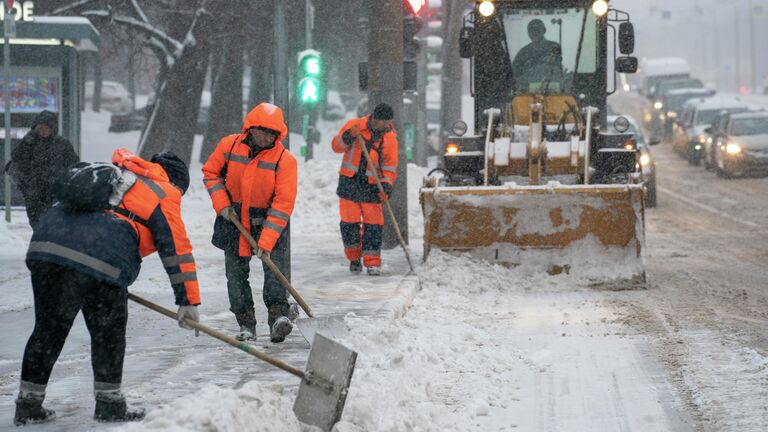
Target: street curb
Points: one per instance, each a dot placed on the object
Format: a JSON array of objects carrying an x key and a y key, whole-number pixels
[{"x": 401, "y": 301}]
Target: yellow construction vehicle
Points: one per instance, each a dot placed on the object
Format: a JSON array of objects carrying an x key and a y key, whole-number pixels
[{"x": 541, "y": 183}]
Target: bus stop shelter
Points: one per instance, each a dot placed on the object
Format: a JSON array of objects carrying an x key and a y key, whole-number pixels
[{"x": 46, "y": 73}]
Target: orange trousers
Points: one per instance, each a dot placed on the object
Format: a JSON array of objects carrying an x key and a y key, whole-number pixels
[{"x": 361, "y": 228}]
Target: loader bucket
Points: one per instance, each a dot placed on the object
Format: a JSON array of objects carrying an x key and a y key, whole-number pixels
[{"x": 592, "y": 231}]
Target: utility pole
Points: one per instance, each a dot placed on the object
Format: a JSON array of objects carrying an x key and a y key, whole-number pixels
[
  {"x": 307, "y": 115},
  {"x": 9, "y": 30},
  {"x": 450, "y": 100},
  {"x": 385, "y": 85},
  {"x": 737, "y": 47},
  {"x": 752, "y": 54},
  {"x": 280, "y": 98},
  {"x": 420, "y": 152}
]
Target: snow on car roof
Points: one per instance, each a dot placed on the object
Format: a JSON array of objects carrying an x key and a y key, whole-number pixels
[
  {"x": 665, "y": 66},
  {"x": 750, "y": 114},
  {"x": 717, "y": 102},
  {"x": 690, "y": 90}
]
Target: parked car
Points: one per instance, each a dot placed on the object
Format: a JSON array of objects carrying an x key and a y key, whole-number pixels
[
  {"x": 742, "y": 146},
  {"x": 114, "y": 97},
  {"x": 673, "y": 103},
  {"x": 645, "y": 159},
  {"x": 137, "y": 120},
  {"x": 698, "y": 114}
]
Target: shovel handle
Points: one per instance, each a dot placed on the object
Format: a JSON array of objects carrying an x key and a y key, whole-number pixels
[
  {"x": 386, "y": 202},
  {"x": 220, "y": 336},
  {"x": 280, "y": 276}
]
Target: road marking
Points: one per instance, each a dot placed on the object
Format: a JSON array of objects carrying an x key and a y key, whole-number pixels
[{"x": 707, "y": 208}]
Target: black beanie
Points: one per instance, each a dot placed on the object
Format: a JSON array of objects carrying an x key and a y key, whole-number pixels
[
  {"x": 47, "y": 118},
  {"x": 383, "y": 112},
  {"x": 176, "y": 169}
]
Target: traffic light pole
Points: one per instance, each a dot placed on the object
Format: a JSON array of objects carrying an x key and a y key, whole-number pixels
[
  {"x": 280, "y": 98},
  {"x": 385, "y": 85},
  {"x": 308, "y": 42}
]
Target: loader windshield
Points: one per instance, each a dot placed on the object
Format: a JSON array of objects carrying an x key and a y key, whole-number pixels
[{"x": 543, "y": 45}]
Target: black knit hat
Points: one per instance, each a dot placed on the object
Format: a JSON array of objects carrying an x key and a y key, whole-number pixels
[
  {"x": 176, "y": 169},
  {"x": 383, "y": 112},
  {"x": 47, "y": 118}
]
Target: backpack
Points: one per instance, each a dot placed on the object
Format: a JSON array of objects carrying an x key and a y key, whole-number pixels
[{"x": 87, "y": 187}]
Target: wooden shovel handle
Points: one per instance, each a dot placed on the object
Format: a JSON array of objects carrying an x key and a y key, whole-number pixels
[
  {"x": 220, "y": 336},
  {"x": 280, "y": 276},
  {"x": 386, "y": 202}
]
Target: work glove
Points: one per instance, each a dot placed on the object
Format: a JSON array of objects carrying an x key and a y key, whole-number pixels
[
  {"x": 387, "y": 192},
  {"x": 261, "y": 253},
  {"x": 354, "y": 131},
  {"x": 228, "y": 213},
  {"x": 188, "y": 312}
]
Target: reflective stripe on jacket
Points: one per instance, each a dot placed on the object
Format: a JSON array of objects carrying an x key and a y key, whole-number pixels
[
  {"x": 384, "y": 157},
  {"x": 263, "y": 187}
]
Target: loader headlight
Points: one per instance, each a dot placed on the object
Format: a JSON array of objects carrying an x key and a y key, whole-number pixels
[
  {"x": 733, "y": 149},
  {"x": 600, "y": 7},
  {"x": 451, "y": 148},
  {"x": 645, "y": 159},
  {"x": 486, "y": 8},
  {"x": 658, "y": 105}
]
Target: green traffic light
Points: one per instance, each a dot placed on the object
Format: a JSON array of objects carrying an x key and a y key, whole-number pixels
[
  {"x": 312, "y": 66},
  {"x": 309, "y": 91}
]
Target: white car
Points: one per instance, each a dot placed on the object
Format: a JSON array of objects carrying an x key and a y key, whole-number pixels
[{"x": 114, "y": 97}]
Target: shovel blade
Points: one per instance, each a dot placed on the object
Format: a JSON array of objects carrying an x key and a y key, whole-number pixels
[
  {"x": 323, "y": 392},
  {"x": 332, "y": 327}
]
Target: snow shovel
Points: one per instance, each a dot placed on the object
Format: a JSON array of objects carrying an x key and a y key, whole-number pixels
[
  {"x": 386, "y": 202},
  {"x": 324, "y": 385},
  {"x": 332, "y": 326}
]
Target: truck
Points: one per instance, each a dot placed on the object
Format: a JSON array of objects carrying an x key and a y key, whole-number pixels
[{"x": 540, "y": 182}]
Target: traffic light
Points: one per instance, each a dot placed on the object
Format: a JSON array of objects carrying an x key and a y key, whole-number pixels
[
  {"x": 413, "y": 12},
  {"x": 310, "y": 88}
]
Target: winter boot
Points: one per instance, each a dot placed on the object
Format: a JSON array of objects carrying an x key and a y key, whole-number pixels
[
  {"x": 374, "y": 271},
  {"x": 279, "y": 324},
  {"x": 29, "y": 409},
  {"x": 247, "y": 323},
  {"x": 116, "y": 410},
  {"x": 355, "y": 266}
]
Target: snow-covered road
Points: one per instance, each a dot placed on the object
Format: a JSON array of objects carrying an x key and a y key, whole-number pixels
[{"x": 481, "y": 348}]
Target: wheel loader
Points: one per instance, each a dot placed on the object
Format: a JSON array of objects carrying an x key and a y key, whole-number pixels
[{"x": 540, "y": 183}]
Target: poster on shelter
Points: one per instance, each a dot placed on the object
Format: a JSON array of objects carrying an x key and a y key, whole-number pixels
[{"x": 32, "y": 94}]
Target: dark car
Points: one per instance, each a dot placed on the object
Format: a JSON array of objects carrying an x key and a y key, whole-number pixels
[
  {"x": 741, "y": 148},
  {"x": 137, "y": 120},
  {"x": 673, "y": 103},
  {"x": 646, "y": 165}
]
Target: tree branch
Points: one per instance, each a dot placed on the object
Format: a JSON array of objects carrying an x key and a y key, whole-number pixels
[
  {"x": 139, "y": 11},
  {"x": 71, "y": 6},
  {"x": 152, "y": 31}
]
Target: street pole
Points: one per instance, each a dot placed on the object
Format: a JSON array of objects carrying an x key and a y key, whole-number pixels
[
  {"x": 737, "y": 47},
  {"x": 752, "y": 55},
  {"x": 420, "y": 152},
  {"x": 306, "y": 108},
  {"x": 385, "y": 85},
  {"x": 7, "y": 29},
  {"x": 280, "y": 98}
]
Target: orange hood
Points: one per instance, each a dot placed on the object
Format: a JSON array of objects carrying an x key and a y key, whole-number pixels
[
  {"x": 123, "y": 157},
  {"x": 267, "y": 116}
]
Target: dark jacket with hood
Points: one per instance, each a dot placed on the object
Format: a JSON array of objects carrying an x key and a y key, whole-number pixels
[{"x": 36, "y": 163}]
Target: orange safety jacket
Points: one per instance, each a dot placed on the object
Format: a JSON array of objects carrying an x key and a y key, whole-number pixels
[
  {"x": 153, "y": 207},
  {"x": 262, "y": 187},
  {"x": 384, "y": 155}
]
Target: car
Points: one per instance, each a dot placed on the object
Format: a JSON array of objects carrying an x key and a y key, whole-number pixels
[
  {"x": 656, "y": 118},
  {"x": 673, "y": 102},
  {"x": 741, "y": 148},
  {"x": 698, "y": 114},
  {"x": 114, "y": 97},
  {"x": 718, "y": 128},
  {"x": 137, "y": 120},
  {"x": 646, "y": 163}
]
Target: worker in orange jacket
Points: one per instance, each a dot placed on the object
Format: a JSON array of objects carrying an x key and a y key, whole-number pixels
[
  {"x": 85, "y": 260},
  {"x": 362, "y": 220},
  {"x": 251, "y": 177}
]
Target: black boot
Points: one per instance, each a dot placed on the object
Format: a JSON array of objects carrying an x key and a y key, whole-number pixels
[
  {"x": 30, "y": 410},
  {"x": 279, "y": 324},
  {"x": 355, "y": 266},
  {"x": 117, "y": 411},
  {"x": 247, "y": 323}
]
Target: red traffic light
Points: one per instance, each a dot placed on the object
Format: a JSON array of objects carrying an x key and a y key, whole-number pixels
[{"x": 416, "y": 6}]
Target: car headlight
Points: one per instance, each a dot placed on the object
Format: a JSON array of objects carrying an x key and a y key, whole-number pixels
[
  {"x": 645, "y": 159},
  {"x": 733, "y": 149},
  {"x": 452, "y": 148},
  {"x": 658, "y": 105},
  {"x": 672, "y": 114},
  {"x": 702, "y": 138}
]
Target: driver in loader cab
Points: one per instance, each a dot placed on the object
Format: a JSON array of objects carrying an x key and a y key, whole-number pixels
[{"x": 539, "y": 61}]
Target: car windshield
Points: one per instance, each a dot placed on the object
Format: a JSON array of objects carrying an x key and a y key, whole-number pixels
[
  {"x": 665, "y": 86},
  {"x": 750, "y": 126},
  {"x": 706, "y": 116},
  {"x": 543, "y": 46}
]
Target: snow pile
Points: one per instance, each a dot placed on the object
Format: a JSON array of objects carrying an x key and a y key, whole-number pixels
[
  {"x": 11, "y": 238},
  {"x": 254, "y": 407},
  {"x": 317, "y": 206}
]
